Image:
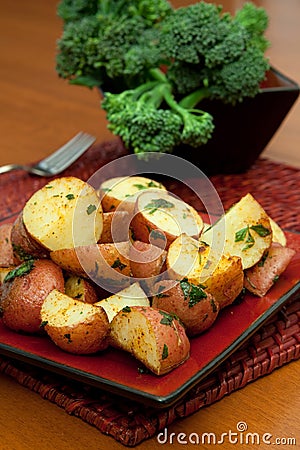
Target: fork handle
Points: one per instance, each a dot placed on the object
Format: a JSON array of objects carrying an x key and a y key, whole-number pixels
[{"x": 10, "y": 167}]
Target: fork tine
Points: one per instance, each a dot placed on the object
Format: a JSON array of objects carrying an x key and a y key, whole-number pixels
[{"x": 68, "y": 153}]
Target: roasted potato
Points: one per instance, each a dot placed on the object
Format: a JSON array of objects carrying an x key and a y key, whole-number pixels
[
  {"x": 222, "y": 275},
  {"x": 195, "y": 307},
  {"x": 133, "y": 295},
  {"x": 23, "y": 292},
  {"x": 64, "y": 213},
  {"x": 115, "y": 227},
  {"x": 261, "y": 277},
  {"x": 6, "y": 250},
  {"x": 152, "y": 336},
  {"x": 159, "y": 218},
  {"x": 277, "y": 233},
  {"x": 24, "y": 246},
  {"x": 103, "y": 263},
  {"x": 244, "y": 231},
  {"x": 147, "y": 262},
  {"x": 123, "y": 191},
  {"x": 81, "y": 289},
  {"x": 74, "y": 326}
]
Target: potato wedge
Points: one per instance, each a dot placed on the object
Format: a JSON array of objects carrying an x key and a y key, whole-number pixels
[
  {"x": 152, "y": 336},
  {"x": 80, "y": 289},
  {"x": 23, "y": 293},
  {"x": 277, "y": 233},
  {"x": 147, "y": 262},
  {"x": 160, "y": 218},
  {"x": 114, "y": 227},
  {"x": 64, "y": 213},
  {"x": 133, "y": 295},
  {"x": 24, "y": 246},
  {"x": 222, "y": 275},
  {"x": 244, "y": 230},
  {"x": 106, "y": 264},
  {"x": 195, "y": 307},
  {"x": 123, "y": 191},
  {"x": 74, "y": 326},
  {"x": 260, "y": 278},
  {"x": 6, "y": 250}
]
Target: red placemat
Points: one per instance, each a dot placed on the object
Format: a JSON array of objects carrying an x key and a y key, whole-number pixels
[{"x": 277, "y": 188}]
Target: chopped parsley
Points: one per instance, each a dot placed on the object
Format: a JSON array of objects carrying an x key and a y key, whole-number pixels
[
  {"x": 157, "y": 203},
  {"x": 117, "y": 264},
  {"x": 193, "y": 292},
  {"x": 70, "y": 196},
  {"x": 90, "y": 209},
  {"x": 245, "y": 235},
  {"x": 165, "y": 352},
  {"x": 21, "y": 270}
]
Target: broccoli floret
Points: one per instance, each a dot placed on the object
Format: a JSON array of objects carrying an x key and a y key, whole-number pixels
[
  {"x": 155, "y": 64},
  {"x": 112, "y": 46},
  {"x": 215, "y": 52},
  {"x": 255, "y": 20},
  {"x": 149, "y": 119},
  {"x": 72, "y": 10}
]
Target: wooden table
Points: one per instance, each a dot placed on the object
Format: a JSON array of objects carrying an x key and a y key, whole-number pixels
[{"x": 39, "y": 112}]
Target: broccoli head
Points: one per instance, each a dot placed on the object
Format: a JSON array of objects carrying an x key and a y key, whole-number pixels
[
  {"x": 149, "y": 119},
  {"x": 110, "y": 44}
]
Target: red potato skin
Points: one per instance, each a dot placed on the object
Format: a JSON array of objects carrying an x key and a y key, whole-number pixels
[
  {"x": 114, "y": 227},
  {"x": 22, "y": 298},
  {"x": 143, "y": 228},
  {"x": 23, "y": 244},
  {"x": 197, "y": 318},
  {"x": 78, "y": 340},
  {"x": 6, "y": 250},
  {"x": 174, "y": 337},
  {"x": 261, "y": 277}
]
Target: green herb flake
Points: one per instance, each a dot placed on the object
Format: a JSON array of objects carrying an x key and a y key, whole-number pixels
[
  {"x": 117, "y": 264},
  {"x": 70, "y": 196},
  {"x": 261, "y": 230},
  {"x": 245, "y": 235},
  {"x": 157, "y": 203},
  {"x": 263, "y": 259},
  {"x": 126, "y": 309},
  {"x": 167, "y": 318},
  {"x": 90, "y": 209},
  {"x": 165, "y": 352},
  {"x": 21, "y": 270},
  {"x": 194, "y": 292},
  {"x": 44, "y": 323}
]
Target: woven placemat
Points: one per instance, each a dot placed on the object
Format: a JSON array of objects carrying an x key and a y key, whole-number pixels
[
  {"x": 274, "y": 345},
  {"x": 277, "y": 188}
]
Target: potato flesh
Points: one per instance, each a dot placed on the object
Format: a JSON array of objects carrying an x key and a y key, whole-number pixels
[
  {"x": 246, "y": 213},
  {"x": 131, "y": 296},
  {"x": 65, "y": 213},
  {"x": 169, "y": 213},
  {"x": 116, "y": 190},
  {"x": 65, "y": 311}
]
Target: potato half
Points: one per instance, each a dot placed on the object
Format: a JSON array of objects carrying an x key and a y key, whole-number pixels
[
  {"x": 160, "y": 218},
  {"x": 74, "y": 326},
  {"x": 124, "y": 191},
  {"x": 152, "y": 336},
  {"x": 23, "y": 292},
  {"x": 64, "y": 213},
  {"x": 222, "y": 275},
  {"x": 244, "y": 231},
  {"x": 133, "y": 295}
]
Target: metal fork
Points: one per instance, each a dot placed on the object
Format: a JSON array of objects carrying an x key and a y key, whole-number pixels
[{"x": 59, "y": 160}]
